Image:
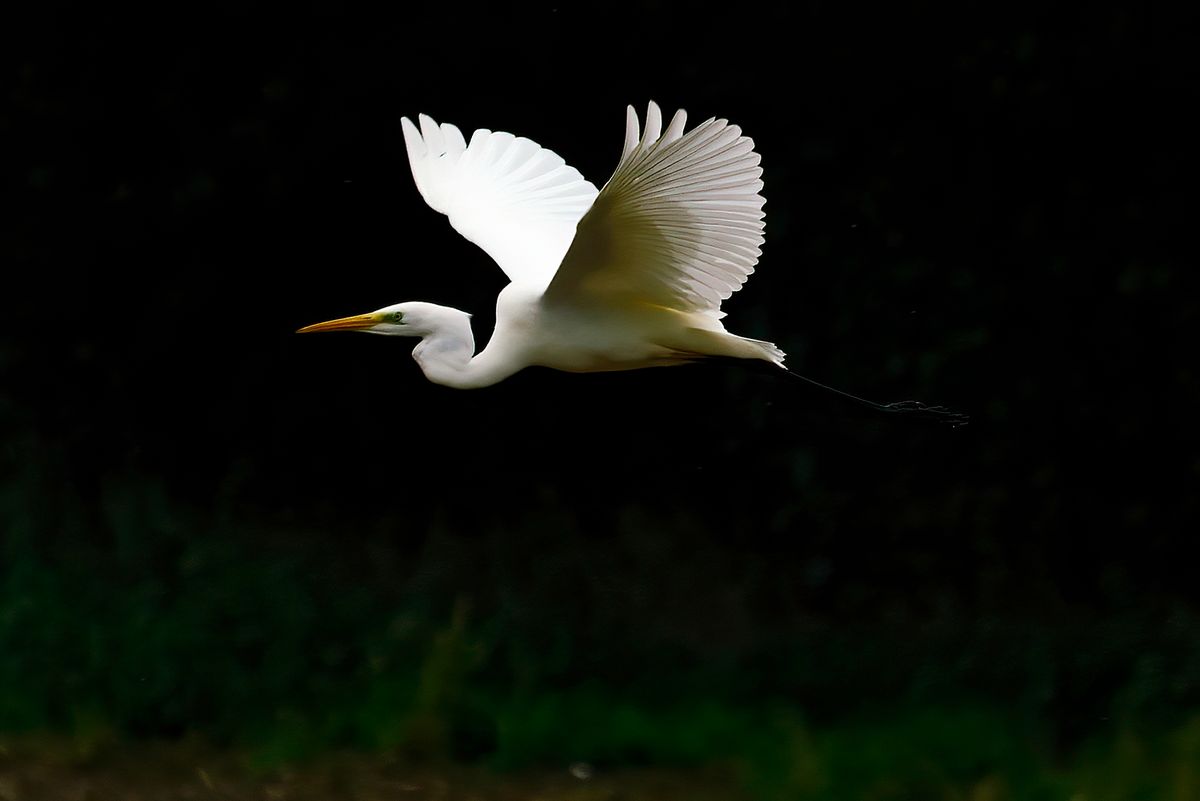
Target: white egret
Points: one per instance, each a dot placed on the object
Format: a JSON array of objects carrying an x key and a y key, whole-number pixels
[{"x": 629, "y": 276}]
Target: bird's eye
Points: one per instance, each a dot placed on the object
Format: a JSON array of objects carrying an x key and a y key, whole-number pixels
[{"x": 397, "y": 317}]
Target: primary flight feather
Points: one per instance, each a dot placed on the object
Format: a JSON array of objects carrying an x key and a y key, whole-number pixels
[{"x": 629, "y": 276}]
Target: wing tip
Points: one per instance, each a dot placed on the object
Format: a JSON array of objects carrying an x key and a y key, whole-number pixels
[
  {"x": 632, "y": 133},
  {"x": 431, "y": 133},
  {"x": 653, "y": 124},
  {"x": 675, "y": 127},
  {"x": 413, "y": 140}
]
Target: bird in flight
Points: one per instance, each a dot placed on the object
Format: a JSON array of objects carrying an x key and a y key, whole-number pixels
[{"x": 629, "y": 276}]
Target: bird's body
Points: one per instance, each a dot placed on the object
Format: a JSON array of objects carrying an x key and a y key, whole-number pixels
[
  {"x": 531, "y": 333},
  {"x": 629, "y": 277}
]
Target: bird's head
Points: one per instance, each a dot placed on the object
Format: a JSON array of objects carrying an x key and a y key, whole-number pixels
[{"x": 415, "y": 319}]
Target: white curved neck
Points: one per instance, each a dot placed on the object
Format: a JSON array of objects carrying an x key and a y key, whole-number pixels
[{"x": 447, "y": 357}]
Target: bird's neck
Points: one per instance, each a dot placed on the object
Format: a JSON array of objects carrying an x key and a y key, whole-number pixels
[{"x": 448, "y": 357}]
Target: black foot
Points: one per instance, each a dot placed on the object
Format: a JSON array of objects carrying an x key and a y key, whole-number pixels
[{"x": 937, "y": 413}]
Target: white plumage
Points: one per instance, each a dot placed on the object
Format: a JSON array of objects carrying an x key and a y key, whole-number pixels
[
  {"x": 629, "y": 276},
  {"x": 680, "y": 223},
  {"x": 512, "y": 197},
  {"x": 626, "y": 277}
]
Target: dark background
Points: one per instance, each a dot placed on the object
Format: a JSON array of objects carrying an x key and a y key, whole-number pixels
[{"x": 212, "y": 525}]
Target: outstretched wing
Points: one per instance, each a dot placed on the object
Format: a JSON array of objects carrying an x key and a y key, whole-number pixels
[
  {"x": 679, "y": 224},
  {"x": 512, "y": 197}
]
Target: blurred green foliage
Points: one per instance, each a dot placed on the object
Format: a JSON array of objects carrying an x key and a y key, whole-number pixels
[{"x": 176, "y": 622}]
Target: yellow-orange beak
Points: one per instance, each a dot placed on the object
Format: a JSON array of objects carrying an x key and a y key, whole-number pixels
[{"x": 356, "y": 323}]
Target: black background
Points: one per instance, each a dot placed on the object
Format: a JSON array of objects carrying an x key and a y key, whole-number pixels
[{"x": 982, "y": 209}]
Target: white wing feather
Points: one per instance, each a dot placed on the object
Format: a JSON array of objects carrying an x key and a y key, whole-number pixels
[
  {"x": 679, "y": 224},
  {"x": 515, "y": 199}
]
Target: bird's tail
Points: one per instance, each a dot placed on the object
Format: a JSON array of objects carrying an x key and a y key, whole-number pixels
[
  {"x": 709, "y": 342},
  {"x": 769, "y": 350}
]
